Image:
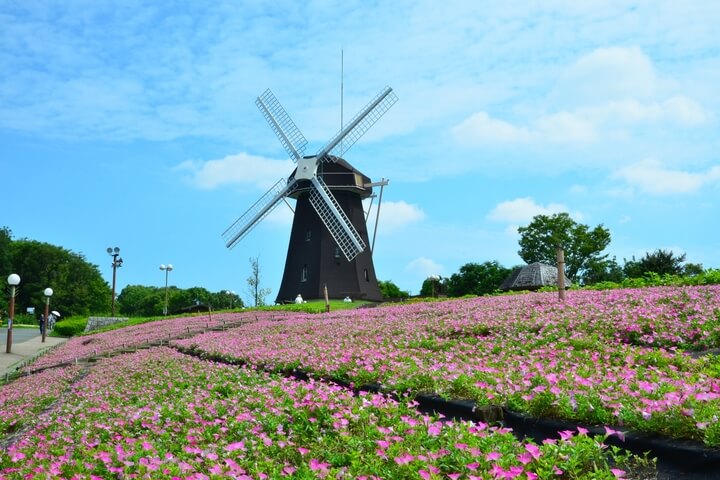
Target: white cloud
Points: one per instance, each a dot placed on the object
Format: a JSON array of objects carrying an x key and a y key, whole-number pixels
[
  {"x": 607, "y": 74},
  {"x": 603, "y": 93},
  {"x": 481, "y": 128},
  {"x": 239, "y": 169},
  {"x": 396, "y": 215},
  {"x": 424, "y": 267},
  {"x": 650, "y": 176},
  {"x": 522, "y": 210}
]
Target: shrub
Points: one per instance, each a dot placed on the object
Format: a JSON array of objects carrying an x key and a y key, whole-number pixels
[{"x": 69, "y": 327}]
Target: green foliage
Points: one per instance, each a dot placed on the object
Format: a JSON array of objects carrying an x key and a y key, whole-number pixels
[
  {"x": 5, "y": 263},
  {"x": 139, "y": 300},
  {"x": 78, "y": 287},
  {"x": 582, "y": 246},
  {"x": 477, "y": 279},
  {"x": 661, "y": 262},
  {"x": 607, "y": 270},
  {"x": 389, "y": 290},
  {"x": 70, "y": 327},
  {"x": 434, "y": 287},
  {"x": 708, "y": 277}
]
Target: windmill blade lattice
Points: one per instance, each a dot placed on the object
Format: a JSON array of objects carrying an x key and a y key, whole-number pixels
[
  {"x": 285, "y": 129},
  {"x": 360, "y": 124},
  {"x": 257, "y": 212},
  {"x": 337, "y": 223}
]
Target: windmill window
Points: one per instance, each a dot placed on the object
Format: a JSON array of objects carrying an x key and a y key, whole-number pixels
[
  {"x": 367, "y": 276},
  {"x": 308, "y": 235},
  {"x": 303, "y": 274}
]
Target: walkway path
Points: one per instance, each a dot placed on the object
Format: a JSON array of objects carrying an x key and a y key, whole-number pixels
[{"x": 27, "y": 343}]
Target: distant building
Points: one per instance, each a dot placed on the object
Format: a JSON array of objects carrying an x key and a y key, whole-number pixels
[{"x": 532, "y": 277}]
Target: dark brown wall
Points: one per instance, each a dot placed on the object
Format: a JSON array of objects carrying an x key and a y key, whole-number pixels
[{"x": 323, "y": 267}]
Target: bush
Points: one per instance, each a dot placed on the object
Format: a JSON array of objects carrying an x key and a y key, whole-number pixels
[{"x": 70, "y": 327}]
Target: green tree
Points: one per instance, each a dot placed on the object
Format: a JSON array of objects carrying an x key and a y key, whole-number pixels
[
  {"x": 477, "y": 279},
  {"x": 257, "y": 293},
  {"x": 141, "y": 301},
  {"x": 660, "y": 261},
  {"x": 582, "y": 246},
  {"x": 5, "y": 264},
  {"x": 434, "y": 286},
  {"x": 78, "y": 287},
  {"x": 389, "y": 290},
  {"x": 607, "y": 270}
]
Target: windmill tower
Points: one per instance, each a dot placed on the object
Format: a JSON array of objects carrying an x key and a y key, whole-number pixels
[{"x": 328, "y": 241}]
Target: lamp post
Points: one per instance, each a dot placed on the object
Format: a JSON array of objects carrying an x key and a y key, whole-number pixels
[
  {"x": 168, "y": 268},
  {"x": 48, "y": 293},
  {"x": 116, "y": 263},
  {"x": 13, "y": 280}
]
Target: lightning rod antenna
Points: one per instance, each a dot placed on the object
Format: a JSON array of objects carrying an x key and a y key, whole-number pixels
[{"x": 342, "y": 76}]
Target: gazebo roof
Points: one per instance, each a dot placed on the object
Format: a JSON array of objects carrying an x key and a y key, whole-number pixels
[{"x": 532, "y": 277}]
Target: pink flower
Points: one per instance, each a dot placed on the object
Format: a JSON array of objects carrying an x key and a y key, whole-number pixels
[
  {"x": 492, "y": 456},
  {"x": 434, "y": 430},
  {"x": 533, "y": 450},
  {"x": 317, "y": 465},
  {"x": 610, "y": 432},
  {"x": 235, "y": 446},
  {"x": 302, "y": 450},
  {"x": 404, "y": 459},
  {"x": 617, "y": 472}
]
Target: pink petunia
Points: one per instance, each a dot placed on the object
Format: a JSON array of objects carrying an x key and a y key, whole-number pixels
[
  {"x": 404, "y": 459},
  {"x": 231, "y": 447}
]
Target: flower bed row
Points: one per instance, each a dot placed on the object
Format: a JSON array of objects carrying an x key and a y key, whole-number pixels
[
  {"x": 25, "y": 398},
  {"x": 529, "y": 353},
  {"x": 112, "y": 341},
  {"x": 159, "y": 414}
]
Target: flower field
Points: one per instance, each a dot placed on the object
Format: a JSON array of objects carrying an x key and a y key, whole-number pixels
[
  {"x": 159, "y": 414},
  {"x": 612, "y": 357},
  {"x": 616, "y": 358},
  {"x": 104, "y": 343}
]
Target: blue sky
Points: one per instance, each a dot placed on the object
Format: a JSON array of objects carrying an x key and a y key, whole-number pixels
[{"x": 133, "y": 124}]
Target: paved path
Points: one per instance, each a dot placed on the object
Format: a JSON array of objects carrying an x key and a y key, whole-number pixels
[{"x": 27, "y": 343}]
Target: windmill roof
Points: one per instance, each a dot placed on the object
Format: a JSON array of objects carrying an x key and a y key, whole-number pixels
[{"x": 532, "y": 277}]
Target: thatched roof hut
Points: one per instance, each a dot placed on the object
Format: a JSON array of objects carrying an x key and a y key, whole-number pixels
[{"x": 532, "y": 277}]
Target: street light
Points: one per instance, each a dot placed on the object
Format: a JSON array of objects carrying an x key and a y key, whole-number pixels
[
  {"x": 48, "y": 293},
  {"x": 116, "y": 263},
  {"x": 168, "y": 268},
  {"x": 13, "y": 280}
]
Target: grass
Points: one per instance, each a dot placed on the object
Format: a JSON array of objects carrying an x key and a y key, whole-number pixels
[{"x": 73, "y": 326}]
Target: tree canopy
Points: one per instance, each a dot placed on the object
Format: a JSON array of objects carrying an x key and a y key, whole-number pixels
[
  {"x": 582, "y": 246},
  {"x": 139, "y": 300},
  {"x": 388, "y": 289},
  {"x": 78, "y": 287},
  {"x": 477, "y": 279},
  {"x": 661, "y": 262}
]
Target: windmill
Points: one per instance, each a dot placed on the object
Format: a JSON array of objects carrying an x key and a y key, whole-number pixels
[{"x": 328, "y": 241}]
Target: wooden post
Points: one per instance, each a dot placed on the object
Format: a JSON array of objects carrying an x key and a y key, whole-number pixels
[
  {"x": 327, "y": 301},
  {"x": 561, "y": 273}
]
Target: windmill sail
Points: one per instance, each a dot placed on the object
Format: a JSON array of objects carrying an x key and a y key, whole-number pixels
[
  {"x": 360, "y": 124},
  {"x": 337, "y": 223},
  {"x": 285, "y": 129},
  {"x": 257, "y": 212}
]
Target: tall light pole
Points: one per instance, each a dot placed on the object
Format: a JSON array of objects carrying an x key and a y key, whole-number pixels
[
  {"x": 13, "y": 280},
  {"x": 168, "y": 268},
  {"x": 48, "y": 293},
  {"x": 116, "y": 263}
]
